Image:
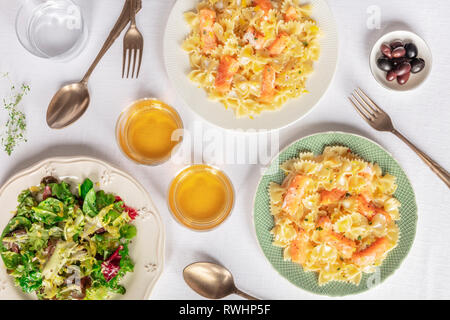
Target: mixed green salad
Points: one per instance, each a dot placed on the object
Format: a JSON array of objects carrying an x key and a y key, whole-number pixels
[{"x": 61, "y": 245}]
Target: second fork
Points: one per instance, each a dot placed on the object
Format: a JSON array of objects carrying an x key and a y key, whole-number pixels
[
  {"x": 378, "y": 119},
  {"x": 133, "y": 46}
]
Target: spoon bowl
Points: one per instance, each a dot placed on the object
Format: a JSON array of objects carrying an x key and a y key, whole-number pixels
[
  {"x": 68, "y": 105},
  {"x": 211, "y": 281},
  {"x": 71, "y": 101}
]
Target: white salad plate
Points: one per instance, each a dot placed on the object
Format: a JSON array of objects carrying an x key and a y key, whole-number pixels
[
  {"x": 178, "y": 68},
  {"x": 146, "y": 250}
]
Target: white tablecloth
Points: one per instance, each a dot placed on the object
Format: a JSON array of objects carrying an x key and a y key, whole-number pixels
[{"x": 422, "y": 115}]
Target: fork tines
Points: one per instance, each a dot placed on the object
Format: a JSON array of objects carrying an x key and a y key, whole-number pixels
[
  {"x": 370, "y": 111},
  {"x": 131, "y": 54},
  {"x": 364, "y": 105}
]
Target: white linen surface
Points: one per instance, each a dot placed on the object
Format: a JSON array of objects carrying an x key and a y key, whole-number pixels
[{"x": 422, "y": 115}]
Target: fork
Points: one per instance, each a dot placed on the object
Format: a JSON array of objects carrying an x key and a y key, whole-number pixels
[
  {"x": 133, "y": 45},
  {"x": 380, "y": 120}
]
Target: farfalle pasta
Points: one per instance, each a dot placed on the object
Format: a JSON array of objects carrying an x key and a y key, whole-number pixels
[
  {"x": 252, "y": 56},
  {"x": 335, "y": 214}
]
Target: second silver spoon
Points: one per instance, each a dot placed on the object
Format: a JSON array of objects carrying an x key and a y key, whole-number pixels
[{"x": 212, "y": 281}]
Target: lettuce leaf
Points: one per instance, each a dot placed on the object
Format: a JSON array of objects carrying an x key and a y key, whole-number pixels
[
  {"x": 84, "y": 188},
  {"x": 104, "y": 199},
  {"x": 90, "y": 203},
  {"x": 50, "y": 211},
  {"x": 128, "y": 231},
  {"x": 38, "y": 237},
  {"x": 62, "y": 192},
  {"x": 11, "y": 259},
  {"x": 15, "y": 223},
  {"x": 27, "y": 274},
  {"x": 26, "y": 203}
]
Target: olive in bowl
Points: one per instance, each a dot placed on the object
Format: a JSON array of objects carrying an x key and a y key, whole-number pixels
[
  {"x": 417, "y": 65},
  {"x": 399, "y": 60}
]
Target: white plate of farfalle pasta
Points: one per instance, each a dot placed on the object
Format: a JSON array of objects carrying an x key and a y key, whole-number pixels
[
  {"x": 335, "y": 214},
  {"x": 251, "y": 64}
]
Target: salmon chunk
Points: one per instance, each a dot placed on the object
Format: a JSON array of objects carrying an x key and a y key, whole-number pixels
[
  {"x": 328, "y": 197},
  {"x": 254, "y": 38},
  {"x": 342, "y": 244},
  {"x": 268, "y": 84},
  {"x": 228, "y": 67},
  {"x": 280, "y": 43},
  {"x": 265, "y": 5},
  {"x": 299, "y": 247},
  {"x": 207, "y": 36},
  {"x": 294, "y": 195},
  {"x": 371, "y": 253},
  {"x": 291, "y": 14}
]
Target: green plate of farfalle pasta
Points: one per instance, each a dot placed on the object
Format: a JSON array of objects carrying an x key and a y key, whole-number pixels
[{"x": 335, "y": 214}]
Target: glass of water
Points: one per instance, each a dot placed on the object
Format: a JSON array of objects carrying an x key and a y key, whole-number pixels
[{"x": 51, "y": 29}]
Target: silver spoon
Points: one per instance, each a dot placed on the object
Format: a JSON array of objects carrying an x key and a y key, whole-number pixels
[
  {"x": 212, "y": 281},
  {"x": 71, "y": 101}
]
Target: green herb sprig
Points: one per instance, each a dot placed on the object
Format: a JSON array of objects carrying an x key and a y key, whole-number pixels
[{"x": 15, "y": 127}]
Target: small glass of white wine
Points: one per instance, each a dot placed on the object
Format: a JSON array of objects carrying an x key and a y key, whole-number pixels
[{"x": 51, "y": 29}]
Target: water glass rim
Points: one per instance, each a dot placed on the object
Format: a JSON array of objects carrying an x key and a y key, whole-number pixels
[{"x": 22, "y": 28}]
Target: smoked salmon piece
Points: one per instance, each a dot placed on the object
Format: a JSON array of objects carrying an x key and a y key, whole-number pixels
[
  {"x": 265, "y": 5},
  {"x": 291, "y": 14},
  {"x": 342, "y": 244},
  {"x": 299, "y": 247},
  {"x": 366, "y": 208},
  {"x": 268, "y": 84},
  {"x": 294, "y": 195},
  {"x": 371, "y": 253},
  {"x": 228, "y": 67},
  {"x": 254, "y": 38},
  {"x": 207, "y": 36},
  {"x": 280, "y": 43},
  {"x": 369, "y": 210},
  {"x": 327, "y": 197}
]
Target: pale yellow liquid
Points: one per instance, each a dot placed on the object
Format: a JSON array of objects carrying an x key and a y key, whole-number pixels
[
  {"x": 147, "y": 130},
  {"x": 201, "y": 197}
]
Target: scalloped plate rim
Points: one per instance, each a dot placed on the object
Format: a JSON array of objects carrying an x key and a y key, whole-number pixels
[{"x": 161, "y": 240}]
